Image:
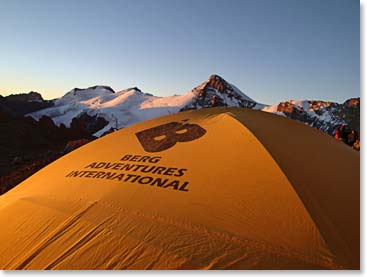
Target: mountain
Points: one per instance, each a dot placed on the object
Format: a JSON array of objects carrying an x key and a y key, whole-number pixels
[
  {"x": 115, "y": 110},
  {"x": 27, "y": 145},
  {"x": 34, "y": 131},
  {"x": 17, "y": 105},
  {"x": 325, "y": 116},
  {"x": 218, "y": 92},
  {"x": 24, "y": 138},
  {"x": 130, "y": 106}
]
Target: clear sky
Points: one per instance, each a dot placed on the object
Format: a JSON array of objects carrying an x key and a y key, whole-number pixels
[{"x": 272, "y": 50}]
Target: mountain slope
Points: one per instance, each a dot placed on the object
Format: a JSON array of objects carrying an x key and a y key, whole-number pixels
[
  {"x": 218, "y": 92},
  {"x": 325, "y": 116},
  {"x": 120, "y": 109},
  {"x": 130, "y": 106},
  {"x": 17, "y": 105}
]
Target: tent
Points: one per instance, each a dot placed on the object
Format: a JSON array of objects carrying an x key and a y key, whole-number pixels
[{"x": 220, "y": 188}]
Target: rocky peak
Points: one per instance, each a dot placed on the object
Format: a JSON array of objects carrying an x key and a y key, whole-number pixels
[
  {"x": 16, "y": 105},
  {"x": 93, "y": 88},
  {"x": 217, "y": 92},
  {"x": 132, "y": 90},
  {"x": 352, "y": 103},
  {"x": 317, "y": 105},
  {"x": 286, "y": 107},
  {"x": 25, "y": 97},
  {"x": 137, "y": 89},
  {"x": 218, "y": 83}
]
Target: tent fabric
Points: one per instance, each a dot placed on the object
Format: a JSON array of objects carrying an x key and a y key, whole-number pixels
[{"x": 220, "y": 188}]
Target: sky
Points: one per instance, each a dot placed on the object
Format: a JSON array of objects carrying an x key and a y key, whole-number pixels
[{"x": 273, "y": 50}]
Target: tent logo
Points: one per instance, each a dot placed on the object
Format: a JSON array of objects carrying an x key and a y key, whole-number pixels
[{"x": 165, "y": 136}]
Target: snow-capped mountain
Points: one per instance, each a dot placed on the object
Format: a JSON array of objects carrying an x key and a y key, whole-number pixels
[
  {"x": 218, "y": 92},
  {"x": 119, "y": 109},
  {"x": 130, "y": 106},
  {"x": 325, "y": 116}
]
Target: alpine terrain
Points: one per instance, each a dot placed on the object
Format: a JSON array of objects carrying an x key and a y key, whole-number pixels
[
  {"x": 34, "y": 131},
  {"x": 115, "y": 110}
]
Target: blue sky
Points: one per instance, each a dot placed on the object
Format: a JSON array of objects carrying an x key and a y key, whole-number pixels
[{"x": 272, "y": 49}]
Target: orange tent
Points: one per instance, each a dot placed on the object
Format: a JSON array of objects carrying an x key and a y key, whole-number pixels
[
  {"x": 74, "y": 144},
  {"x": 222, "y": 188}
]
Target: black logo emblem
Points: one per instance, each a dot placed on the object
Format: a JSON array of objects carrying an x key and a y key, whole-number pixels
[{"x": 165, "y": 136}]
